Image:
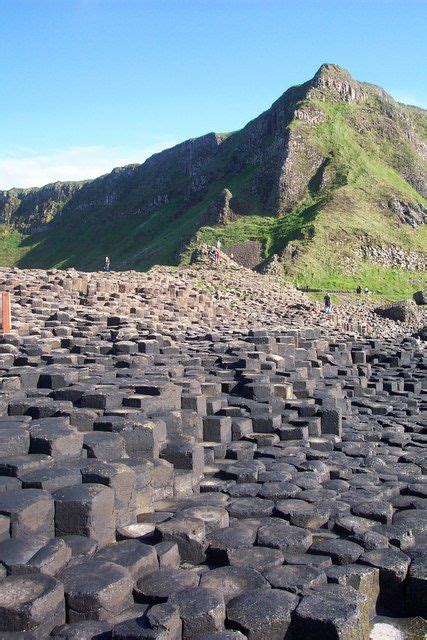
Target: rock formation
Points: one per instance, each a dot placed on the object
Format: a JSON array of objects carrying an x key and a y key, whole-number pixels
[
  {"x": 323, "y": 152},
  {"x": 177, "y": 466},
  {"x": 219, "y": 210}
]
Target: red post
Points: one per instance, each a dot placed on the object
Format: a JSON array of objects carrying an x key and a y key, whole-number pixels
[{"x": 6, "y": 324}]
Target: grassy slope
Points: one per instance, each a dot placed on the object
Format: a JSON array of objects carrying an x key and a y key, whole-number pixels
[
  {"x": 362, "y": 178},
  {"x": 325, "y": 227},
  {"x": 11, "y": 248},
  {"x": 328, "y": 227},
  {"x": 129, "y": 242}
]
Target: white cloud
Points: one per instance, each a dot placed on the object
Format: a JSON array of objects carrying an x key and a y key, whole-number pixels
[{"x": 27, "y": 168}]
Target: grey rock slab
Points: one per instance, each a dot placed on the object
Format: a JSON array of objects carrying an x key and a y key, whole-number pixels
[
  {"x": 189, "y": 533},
  {"x": 86, "y": 630},
  {"x": 259, "y": 558},
  {"x": 295, "y": 578},
  {"x": 213, "y": 517},
  {"x": 233, "y": 581},
  {"x": 378, "y": 510},
  {"x": 244, "y": 490},
  {"x": 362, "y": 578},
  {"x": 250, "y": 507},
  {"x": 14, "y": 441},
  {"x": 202, "y": 611},
  {"x": 160, "y": 585},
  {"x": 224, "y": 635},
  {"x": 86, "y": 509},
  {"x": 284, "y": 537},
  {"x": 340, "y": 551},
  {"x": 104, "y": 445},
  {"x": 221, "y": 541},
  {"x": 51, "y": 478},
  {"x": 416, "y": 587},
  {"x": 326, "y": 617},
  {"x": 261, "y": 614},
  {"x": 278, "y": 490},
  {"x": 31, "y": 512},
  {"x": 55, "y": 437},
  {"x": 96, "y": 590},
  {"x": 160, "y": 622},
  {"x": 82, "y": 548},
  {"x": 139, "y": 558},
  {"x": 168, "y": 555},
  {"x": 31, "y": 603},
  {"x": 393, "y": 566},
  {"x": 303, "y": 514}
]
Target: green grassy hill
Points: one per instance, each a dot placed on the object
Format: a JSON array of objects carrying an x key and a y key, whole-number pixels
[{"x": 331, "y": 179}]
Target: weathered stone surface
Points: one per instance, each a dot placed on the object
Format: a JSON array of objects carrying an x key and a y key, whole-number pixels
[
  {"x": 87, "y": 630},
  {"x": 328, "y": 615},
  {"x": 405, "y": 311},
  {"x": 190, "y": 535},
  {"x": 180, "y": 452},
  {"x": 233, "y": 581},
  {"x": 262, "y": 614},
  {"x": 160, "y": 585},
  {"x": 201, "y": 611},
  {"x": 31, "y": 603},
  {"x": 139, "y": 558},
  {"x": 30, "y": 511},
  {"x": 85, "y": 510},
  {"x": 294, "y": 578},
  {"x": 96, "y": 590}
]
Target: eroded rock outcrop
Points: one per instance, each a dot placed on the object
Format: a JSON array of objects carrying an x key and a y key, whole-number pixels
[
  {"x": 171, "y": 469},
  {"x": 409, "y": 213},
  {"x": 393, "y": 257},
  {"x": 402, "y": 311},
  {"x": 219, "y": 210}
]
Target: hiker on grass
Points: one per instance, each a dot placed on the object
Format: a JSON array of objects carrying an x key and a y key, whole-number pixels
[
  {"x": 106, "y": 267},
  {"x": 359, "y": 289},
  {"x": 327, "y": 301}
]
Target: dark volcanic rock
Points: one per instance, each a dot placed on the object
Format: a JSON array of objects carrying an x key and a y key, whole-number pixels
[
  {"x": 169, "y": 473},
  {"x": 404, "y": 311},
  {"x": 262, "y": 614}
]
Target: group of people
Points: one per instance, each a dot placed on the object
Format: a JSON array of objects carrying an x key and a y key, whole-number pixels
[
  {"x": 215, "y": 252},
  {"x": 359, "y": 289},
  {"x": 215, "y": 255},
  {"x": 328, "y": 302}
]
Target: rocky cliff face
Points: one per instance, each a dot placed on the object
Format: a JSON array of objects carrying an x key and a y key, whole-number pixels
[
  {"x": 33, "y": 209},
  {"x": 283, "y": 157}
]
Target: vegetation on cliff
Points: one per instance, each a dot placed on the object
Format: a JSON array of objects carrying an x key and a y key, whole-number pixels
[{"x": 334, "y": 168}]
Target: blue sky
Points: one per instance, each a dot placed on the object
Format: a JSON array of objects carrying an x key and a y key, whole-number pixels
[{"x": 92, "y": 84}]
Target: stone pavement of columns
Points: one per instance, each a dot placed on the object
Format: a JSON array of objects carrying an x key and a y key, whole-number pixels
[{"x": 175, "y": 467}]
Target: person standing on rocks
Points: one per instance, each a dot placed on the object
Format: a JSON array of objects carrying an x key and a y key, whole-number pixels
[
  {"x": 106, "y": 267},
  {"x": 328, "y": 304},
  {"x": 218, "y": 251}
]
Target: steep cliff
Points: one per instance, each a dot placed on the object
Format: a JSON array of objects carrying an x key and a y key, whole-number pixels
[{"x": 333, "y": 165}]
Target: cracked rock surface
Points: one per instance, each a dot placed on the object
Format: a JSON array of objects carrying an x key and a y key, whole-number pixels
[{"x": 171, "y": 470}]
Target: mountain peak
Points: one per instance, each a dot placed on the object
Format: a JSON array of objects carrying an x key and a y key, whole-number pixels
[
  {"x": 333, "y": 82},
  {"x": 300, "y": 171},
  {"x": 332, "y": 70}
]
